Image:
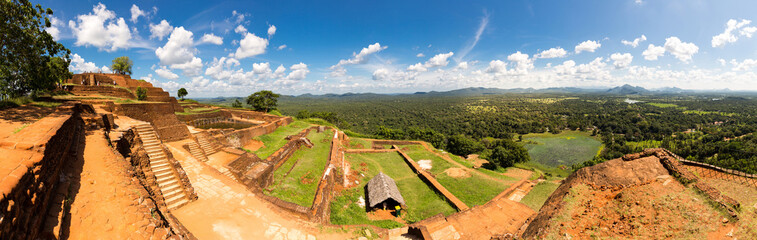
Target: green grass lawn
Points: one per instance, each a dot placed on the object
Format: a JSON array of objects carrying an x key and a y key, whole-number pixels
[
  {"x": 663, "y": 105},
  {"x": 539, "y": 194},
  {"x": 422, "y": 201},
  {"x": 359, "y": 143},
  {"x": 566, "y": 148},
  {"x": 463, "y": 188},
  {"x": 275, "y": 140},
  {"x": 300, "y": 185}
]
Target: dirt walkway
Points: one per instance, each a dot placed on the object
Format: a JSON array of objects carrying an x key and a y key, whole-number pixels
[
  {"x": 14, "y": 119},
  {"x": 108, "y": 203},
  {"x": 227, "y": 210}
]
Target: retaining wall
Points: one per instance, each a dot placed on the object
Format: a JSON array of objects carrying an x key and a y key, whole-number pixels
[
  {"x": 30, "y": 167},
  {"x": 160, "y": 115},
  {"x": 431, "y": 181},
  {"x": 101, "y": 90}
]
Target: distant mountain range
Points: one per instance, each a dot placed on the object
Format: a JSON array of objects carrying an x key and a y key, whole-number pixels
[{"x": 480, "y": 91}]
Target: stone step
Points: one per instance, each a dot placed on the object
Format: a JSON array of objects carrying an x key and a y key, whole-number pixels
[
  {"x": 178, "y": 204},
  {"x": 158, "y": 159},
  {"x": 175, "y": 198},
  {"x": 164, "y": 174},
  {"x": 170, "y": 187},
  {"x": 171, "y": 193},
  {"x": 153, "y": 146},
  {"x": 167, "y": 181},
  {"x": 156, "y": 168}
]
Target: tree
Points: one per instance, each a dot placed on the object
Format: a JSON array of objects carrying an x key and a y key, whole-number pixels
[
  {"x": 183, "y": 92},
  {"x": 26, "y": 58},
  {"x": 236, "y": 103},
  {"x": 263, "y": 100},
  {"x": 122, "y": 65},
  {"x": 141, "y": 93},
  {"x": 463, "y": 145}
]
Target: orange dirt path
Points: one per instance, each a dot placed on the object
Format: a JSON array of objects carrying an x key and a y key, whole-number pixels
[
  {"x": 13, "y": 119},
  {"x": 107, "y": 205},
  {"x": 226, "y": 209}
]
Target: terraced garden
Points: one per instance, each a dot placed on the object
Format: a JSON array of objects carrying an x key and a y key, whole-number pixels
[
  {"x": 297, "y": 179},
  {"x": 277, "y": 139}
]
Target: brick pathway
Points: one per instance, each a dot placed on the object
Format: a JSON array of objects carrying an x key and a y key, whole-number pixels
[{"x": 227, "y": 210}]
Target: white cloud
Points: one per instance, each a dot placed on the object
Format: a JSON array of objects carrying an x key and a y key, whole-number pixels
[
  {"x": 745, "y": 65},
  {"x": 361, "y": 57},
  {"x": 566, "y": 68},
  {"x": 728, "y": 36},
  {"x": 91, "y": 30},
  {"x": 298, "y": 71},
  {"x": 418, "y": 67},
  {"x": 681, "y": 50},
  {"x": 251, "y": 46},
  {"x": 621, "y": 60},
  {"x": 271, "y": 30},
  {"x": 160, "y": 30},
  {"x": 261, "y": 68},
  {"x": 211, "y": 38},
  {"x": 178, "y": 53},
  {"x": 721, "y": 61},
  {"x": 497, "y": 67},
  {"x": 239, "y": 16},
  {"x": 105, "y": 69},
  {"x": 439, "y": 60},
  {"x": 476, "y": 37},
  {"x": 587, "y": 46},
  {"x": 420, "y": 55},
  {"x": 557, "y": 52},
  {"x": 240, "y": 29},
  {"x": 639, "y": 2},
  {"x": 635, "y": 42},
  {"x": 462, "y": 65},
  {"x": 136, "y": 13},
  {"x": 653, "y": 52},
  {"x": 281, "y": 47},
  {"x": 78, "y": 65},
  {"x": 221, "y": 68},
  {"x": 54, "y": 29},
  {"x": 522, "y": 62},
  {"x": 166, "y": 73}
]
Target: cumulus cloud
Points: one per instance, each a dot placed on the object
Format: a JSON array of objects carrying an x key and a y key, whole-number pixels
[
  {"x": 635, "y": 42},
  {"x": 439, "y": 60},
  {"x": 101, "y": 29},
  {"x": 653, "y": 52},
  {"x": 211, "y": 38},
  {"x": 240, "y": 29},
  {"x": 271, "y": 30},
  {"x": 179, "y": 53},
  {"x": 557, "y": 52},
  {"x": 566, "y": 68},
  {"x": 251, "y": 46},
  {"x": 166, "y": 73},
  {"x": 298, "y": 71},
  {"x": 733, "y": 30},
  {"x": 238, "y": 17},
  {"x": 79, "y": 65},
  {"x": 745, "y": 65},
  {"x": 281, "y": 47},
  {"x": 54, "y": 29},
  {"x": 261, "y": 68},
  {"x": 721, "y": 61},
  {"x": 681, "y": 50},
  {"x": 136, "y": 13},
  {"x": 621, "y": 60},
  {"x": 497, "y": 66},
  {"x": 587, "y": 46},
  {"x": 522, "y": 62},
  {"x": 420, "y": 55},
  {"x": 160, "y": 30},
  {"x": 362, "y": 56}
]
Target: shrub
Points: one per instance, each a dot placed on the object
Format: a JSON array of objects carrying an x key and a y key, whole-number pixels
[{"x": 141, "y": 93}]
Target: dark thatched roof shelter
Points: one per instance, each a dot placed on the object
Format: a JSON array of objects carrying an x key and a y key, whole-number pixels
[{"x": 382, "y": 188}]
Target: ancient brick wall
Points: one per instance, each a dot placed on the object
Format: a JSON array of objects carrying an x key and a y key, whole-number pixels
[
  {"x": 216, "y": 114},
  {"x": 101, "y": 90},
  {"x": 30, "y": 167},
  {"x": 321, "y": 208},
  {"x": 160, "y": 115},
  {"x": 431, "y": 181}
]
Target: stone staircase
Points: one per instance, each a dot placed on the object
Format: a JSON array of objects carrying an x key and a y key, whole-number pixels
[
  {"x": 167, "y": 178},
  {"x": 196, "y": 152},
  {"x": 206, "y": 145}
]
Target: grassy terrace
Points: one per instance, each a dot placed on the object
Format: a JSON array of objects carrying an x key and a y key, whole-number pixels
[
  {"x": 539, "y": 194},
  {"x": 359, "y": 143},
  {"x": 276, "y": 139},
  {"x": 304, "y": 170},
  {"x": 485, "y": 188},
  {"x": 421, "y": 200}
]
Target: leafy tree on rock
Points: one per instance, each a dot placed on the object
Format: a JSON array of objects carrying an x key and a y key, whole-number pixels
[
  {"x": 182, "y": 93},
  {"x": 28, "y": 51},
  {"x": 263, "y": 100},
  {"x": 141, "y": 93},
  {"x": 122, "y": 65}
]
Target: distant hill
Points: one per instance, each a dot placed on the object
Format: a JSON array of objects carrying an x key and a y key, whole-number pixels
[{"x": 628, "y": 90}]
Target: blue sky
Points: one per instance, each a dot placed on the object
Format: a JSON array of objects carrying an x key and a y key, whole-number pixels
[{"x": 234, "y": 48}]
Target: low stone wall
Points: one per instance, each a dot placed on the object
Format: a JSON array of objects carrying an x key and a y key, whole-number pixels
[
  {"x": 30, "y": 168},
  {"x": 370, "y": 150},
  {"x": 395, "y": 142},
  {"x": 431, "y": 181},
  {"x": 100, "y": 90},
  {"x": 160, "y": 115},
  {"x": 321, "y": 208}
]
